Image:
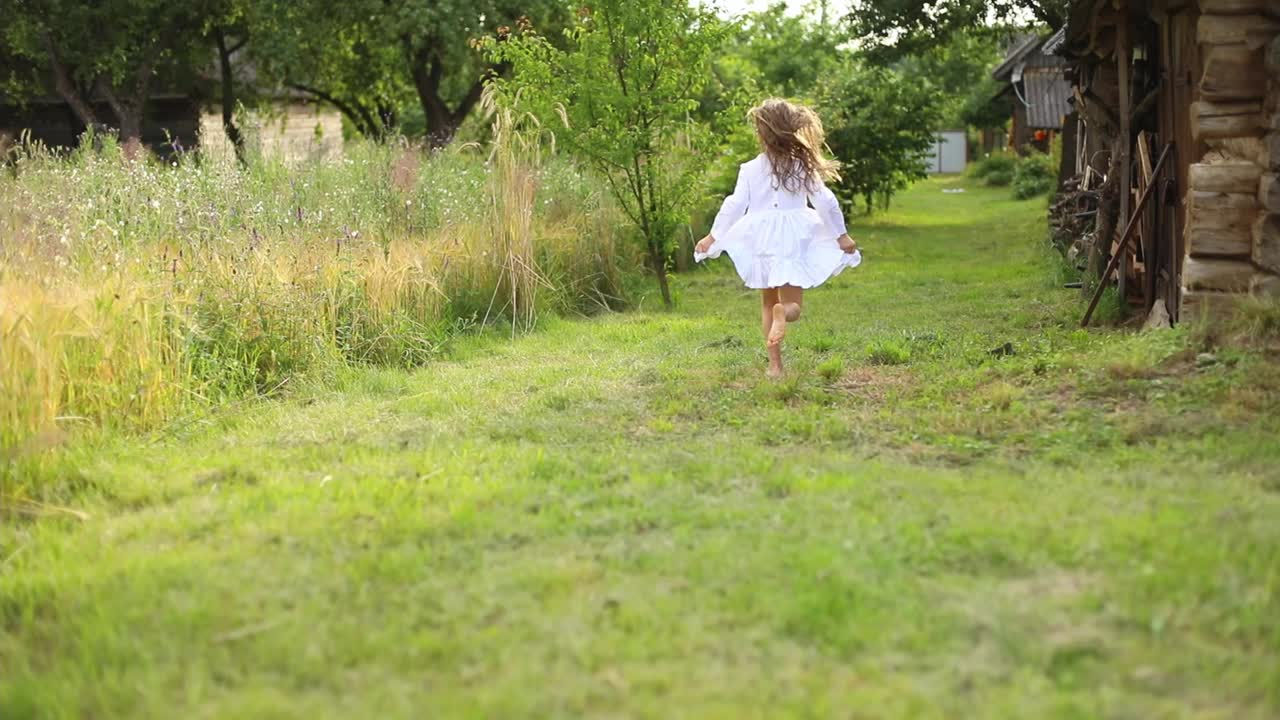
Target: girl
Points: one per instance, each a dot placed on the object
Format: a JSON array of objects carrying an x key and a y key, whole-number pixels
[{"x": 777, "y": 242}]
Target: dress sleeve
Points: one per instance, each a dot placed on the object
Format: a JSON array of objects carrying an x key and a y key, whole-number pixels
[
  {"x": 734, "y": 206},
  {"x": 825, "y": 202}
]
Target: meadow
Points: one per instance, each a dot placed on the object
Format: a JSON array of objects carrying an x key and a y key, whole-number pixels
[
  {"x": 133, "y": 293},
  {"x": 958, "y": 504}
]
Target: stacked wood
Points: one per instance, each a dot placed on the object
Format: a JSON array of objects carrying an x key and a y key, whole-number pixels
[
  {"x": 1225, "y": 177},
  {"x": 1217, "y": 275},
  {"x": 1265, "y": 284},
  {"x": 1269, "y": 193},
  {"x": 1211, "y": 120},
  {"x": 1233, "y": 7},
  {"x": 1225, "y": 198},
  {"x": 1224, "y": 230},
  {"x": 1254, "y": 31},
  {"x": 1233, "y": 72},
  {"x": 1266, "y": 242}
]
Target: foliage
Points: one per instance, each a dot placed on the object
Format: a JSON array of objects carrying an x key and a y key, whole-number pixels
[
  {"x": 367, "y": 58},
  {"x": 960, "y": 71},
  {"x": 133, "y": 290},
  {"x": 620, "y": 98},
  {"x": 895, "y": 28},
  {"x": 789, "y": 51},
  {"x": 995, "y": 169},
  {"x": 879, "y": 126},
  {"x": 117, "y": 50},
  {"x": 1034, "y": 175}
]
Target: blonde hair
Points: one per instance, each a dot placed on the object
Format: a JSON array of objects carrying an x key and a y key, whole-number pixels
[{"x": 792, "y": 138}]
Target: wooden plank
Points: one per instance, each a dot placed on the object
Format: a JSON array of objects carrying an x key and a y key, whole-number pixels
[
  {"x": 1128, "y": 230},
  {"x": 1123, "y": 53},
  {"x": 1144, "y": 157}
]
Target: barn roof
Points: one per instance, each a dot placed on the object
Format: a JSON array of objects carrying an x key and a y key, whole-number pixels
[
  {"x": 1017, "y": 55},
  {"x": 1034, "y": 75},
  {"x": 1045, "y": 93}
]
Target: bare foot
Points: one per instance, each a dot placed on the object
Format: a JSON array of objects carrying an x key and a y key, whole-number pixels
[
  {"x": 775, "y": 362},
  {"x": 778, "y": 330}
]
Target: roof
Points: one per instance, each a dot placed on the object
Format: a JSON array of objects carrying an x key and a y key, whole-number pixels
[
  {"x": 1019, "y": 52},
  {"x": 1034, "y": 74},
  {"x": 1046, "y": 93}
]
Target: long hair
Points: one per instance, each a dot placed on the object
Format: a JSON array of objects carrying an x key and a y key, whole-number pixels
[{"x": 792, "y": 138}]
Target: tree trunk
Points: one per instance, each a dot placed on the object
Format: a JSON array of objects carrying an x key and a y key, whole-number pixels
[
  {"x": 660, "y": 269},
  {"x": 67, "y": 89},
  {"x": 234, "y": 136},
  {"x": 427, "y": 70}
]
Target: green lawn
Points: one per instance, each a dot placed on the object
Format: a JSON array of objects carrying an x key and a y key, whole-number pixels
[{"x": 620, "y": 517}]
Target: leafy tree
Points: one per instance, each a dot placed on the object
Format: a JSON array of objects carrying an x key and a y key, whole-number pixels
[
  {"x": 338, "y": 53},
  {"x": 114, "y": 49},
  {"x": 879, "y": 125},
  {"x": 902, "y": 27},
  {"x": 789, "y": 51},
  {"x": 369, "y": 58},
  {"x": 622, "y": 96},
  {"x": 960, "y": 70}
]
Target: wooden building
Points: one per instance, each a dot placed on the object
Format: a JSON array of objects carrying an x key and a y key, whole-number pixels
[
  {"x": 286, "y": 126},
  {"x": 1037, "y": 91},
  {"x": 1196, "y": 82}
]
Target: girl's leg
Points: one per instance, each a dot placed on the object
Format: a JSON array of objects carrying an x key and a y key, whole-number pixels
[
  {"x": 769, "y": 300},
  {"x": 790, "y": 300}
]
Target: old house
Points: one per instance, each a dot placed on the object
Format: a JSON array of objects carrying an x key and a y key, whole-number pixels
[
  {"x": 1036, "y": 89},
  {"x": 1179, "y": 146},
  {"x": 284, "y": 125}
]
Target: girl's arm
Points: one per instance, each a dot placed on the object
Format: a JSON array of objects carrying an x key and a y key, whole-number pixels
[
  {"x": 825, "y": 202},
  {"x": 733, "y": 208}
]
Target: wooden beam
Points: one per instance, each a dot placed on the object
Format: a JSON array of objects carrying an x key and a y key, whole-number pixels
[
  {"x": 1124, "y": 236},
  {"x": 1124, "y": 141}
]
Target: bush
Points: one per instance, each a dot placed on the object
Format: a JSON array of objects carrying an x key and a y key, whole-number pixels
[
  {"x": 996, "y": 166},
  {"x": 1000, "y": 178},
  {"x": 1034, "y": 175}
]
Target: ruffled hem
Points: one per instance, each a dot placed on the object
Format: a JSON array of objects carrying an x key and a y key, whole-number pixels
[{"x": 773, "y": 248}]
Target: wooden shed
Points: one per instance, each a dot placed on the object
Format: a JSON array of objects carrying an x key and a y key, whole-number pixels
[
  {"x": 286, "y": 126},
  {"x": 1195, "y": 83},
  {"x": 1036, "y": 89}
]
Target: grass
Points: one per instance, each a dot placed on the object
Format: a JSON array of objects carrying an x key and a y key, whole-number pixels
[
  {"x": 132, "y": 293},
  {"x": 620, "y": 517}
]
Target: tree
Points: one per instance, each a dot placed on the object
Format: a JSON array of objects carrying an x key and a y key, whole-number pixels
[
  {"x": 622, "y": 96},
  {"x": 960, "y": 70},
  {"x": 895, "y": 28},
  {"x": 880, "y": 125},
  {"x": 790, "y": 51},
  {"x": 115, "y": 50}
]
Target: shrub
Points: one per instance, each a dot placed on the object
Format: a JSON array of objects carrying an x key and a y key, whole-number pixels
[
  {"x": 1000, "y": 178},
  {"x": 996, "y": 164},
  {"x": 1034, "y": 175}
]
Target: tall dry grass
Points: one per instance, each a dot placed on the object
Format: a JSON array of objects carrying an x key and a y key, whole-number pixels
[{"x": 131, "y": 291}]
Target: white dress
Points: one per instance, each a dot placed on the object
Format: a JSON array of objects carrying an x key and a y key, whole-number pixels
[{"x": 772, "y": 235}]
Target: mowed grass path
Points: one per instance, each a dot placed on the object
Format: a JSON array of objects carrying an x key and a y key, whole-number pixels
[{"x": 620, "y": 517}]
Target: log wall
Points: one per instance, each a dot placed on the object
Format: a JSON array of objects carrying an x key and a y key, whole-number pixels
[
  {"x": 1232, "y": 233},
  {"x": 293, "y": 130}
]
